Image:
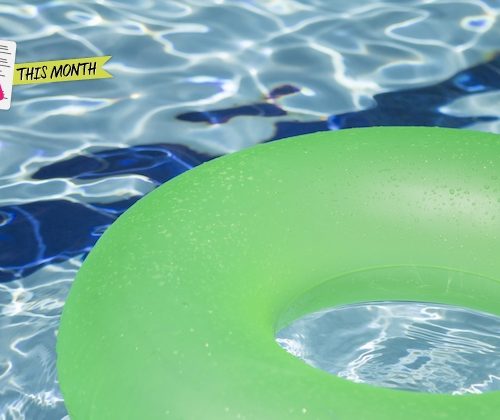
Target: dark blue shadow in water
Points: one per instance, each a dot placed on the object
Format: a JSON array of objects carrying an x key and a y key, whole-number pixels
[
  {"x": 158, "y": 162},
  {"x": 35, "y": 234},
  {"x": 418, "y": 106}
]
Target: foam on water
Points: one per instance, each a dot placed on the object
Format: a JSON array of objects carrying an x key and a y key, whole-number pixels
[{"x": 405, "y": 345}]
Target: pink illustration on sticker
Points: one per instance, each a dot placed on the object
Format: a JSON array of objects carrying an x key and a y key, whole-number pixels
[{"x": 7, "y": 64}]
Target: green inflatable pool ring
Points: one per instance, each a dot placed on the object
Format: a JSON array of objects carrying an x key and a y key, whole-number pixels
[{"x": 174, "y": 312}]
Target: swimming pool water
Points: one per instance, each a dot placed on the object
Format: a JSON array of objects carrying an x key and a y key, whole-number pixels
[
  {"x": 194, "y": 80},
  {"x": 413, "y": 346}
]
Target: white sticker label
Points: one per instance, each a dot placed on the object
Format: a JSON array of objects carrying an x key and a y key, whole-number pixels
[{"x": 7, "y": 61}]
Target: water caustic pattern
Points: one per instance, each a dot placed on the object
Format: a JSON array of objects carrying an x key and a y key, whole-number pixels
[
  {"x": 412, "y": 346},
  {"x": 194, "y": 80},
  {"x": 29, "y": 320},
  {"x": 54, "y": 229}
]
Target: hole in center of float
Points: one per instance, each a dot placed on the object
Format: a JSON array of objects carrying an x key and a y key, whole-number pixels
[{"x": 413, "y": 346}]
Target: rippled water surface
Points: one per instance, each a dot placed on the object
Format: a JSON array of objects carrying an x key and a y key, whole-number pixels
[
  {"x": 194, "y": 80},
  {"x": 405, "y": 345}
]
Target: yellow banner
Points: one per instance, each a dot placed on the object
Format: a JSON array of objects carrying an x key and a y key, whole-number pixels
[{"x": 88, "y": 68}]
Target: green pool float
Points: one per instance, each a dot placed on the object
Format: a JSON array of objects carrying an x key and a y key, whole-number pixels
[{"x": 174, "y": 312}]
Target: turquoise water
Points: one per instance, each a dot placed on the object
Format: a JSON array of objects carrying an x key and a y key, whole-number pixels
[
  {"x": 194, "y": 80},
  {"x": 412, "y": 346}
]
